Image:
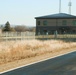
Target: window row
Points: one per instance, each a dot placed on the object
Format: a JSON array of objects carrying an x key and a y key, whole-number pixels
[
  {"x": 44, "y": 23},
  {"x": 64, "y": 22}
]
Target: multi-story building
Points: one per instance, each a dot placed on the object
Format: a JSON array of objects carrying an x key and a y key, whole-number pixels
[{"x": 61, "y": 22}]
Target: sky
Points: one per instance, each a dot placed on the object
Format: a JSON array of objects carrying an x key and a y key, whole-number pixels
[{"x": 23, "y": 12}]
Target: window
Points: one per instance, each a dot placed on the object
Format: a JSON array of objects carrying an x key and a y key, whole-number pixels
[
  {"x": 44, "y": 22},
  {"x": 38, "y": 22},
  {"x": 74, "y": 22},
  {"x": 64, "y": 22}
]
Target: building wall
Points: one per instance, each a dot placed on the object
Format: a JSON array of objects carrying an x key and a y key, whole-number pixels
[
  {"x": 51, "y": 22},
  {"x": 69, "y": 22},
  {"x": 54, "y": 24}
]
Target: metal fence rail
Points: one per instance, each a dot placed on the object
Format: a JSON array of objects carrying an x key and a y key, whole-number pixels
[
  {"x": 17, "y": 35},
  {"x": 31, "y": 35}
]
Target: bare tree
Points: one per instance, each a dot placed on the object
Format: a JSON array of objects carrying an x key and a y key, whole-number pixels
[
  {"x": 20, "y": 28},
  {"x": 33, "y": 29}
]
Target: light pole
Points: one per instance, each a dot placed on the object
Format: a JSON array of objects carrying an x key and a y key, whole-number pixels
[
  {"x": 59, "y": 6},
  {"x": 70, "y": 4}
]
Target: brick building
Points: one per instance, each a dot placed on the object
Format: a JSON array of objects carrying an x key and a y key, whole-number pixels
[{"x": 61, "y": 22}]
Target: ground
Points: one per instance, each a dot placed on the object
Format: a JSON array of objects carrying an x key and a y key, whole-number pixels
[{"x": 15, "y": 64}]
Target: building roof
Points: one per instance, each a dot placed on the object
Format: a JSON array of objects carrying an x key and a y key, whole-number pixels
[{"x": 57, "y": 16}]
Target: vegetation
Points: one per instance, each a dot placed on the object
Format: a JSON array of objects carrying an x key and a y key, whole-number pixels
[
  {"x": 22, "y": 28},
  {"x": 8, "y": 27},
  {"x": 17, "y": 50},
  {"x": 18, "y": 28}
]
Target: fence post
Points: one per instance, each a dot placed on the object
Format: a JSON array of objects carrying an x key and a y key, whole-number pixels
[
  {"x": 6, "y": 36},
  {"x": 21, "y": 36},
  {"x": 55, "y": 33},
  {"x": 1, "y": 36},
  {"x": 16, "y": 36}
]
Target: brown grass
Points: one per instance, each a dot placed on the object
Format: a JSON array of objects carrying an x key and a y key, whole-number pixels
[{"x": 17, "y": 50}]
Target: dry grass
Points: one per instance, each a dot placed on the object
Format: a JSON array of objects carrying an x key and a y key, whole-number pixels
[{"x": 17, "y": 50}]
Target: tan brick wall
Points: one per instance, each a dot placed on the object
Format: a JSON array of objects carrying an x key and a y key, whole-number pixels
[
  {"x": 52, "y": 22},
  {"x": 69, "y": 22}
]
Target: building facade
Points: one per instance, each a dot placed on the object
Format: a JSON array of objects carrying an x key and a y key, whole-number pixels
[{"x": 61, "y": 22}]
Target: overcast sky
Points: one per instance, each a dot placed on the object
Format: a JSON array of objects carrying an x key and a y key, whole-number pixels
[{"x": 23, "y": 12}]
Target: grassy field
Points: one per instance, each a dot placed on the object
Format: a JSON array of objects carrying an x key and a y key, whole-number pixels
[{"x": 16, "y": 50}]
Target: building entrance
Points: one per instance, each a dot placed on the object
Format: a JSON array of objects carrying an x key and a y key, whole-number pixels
[
  {"x": 63, "y": 30},
  {"x": 45, "y": 32}
]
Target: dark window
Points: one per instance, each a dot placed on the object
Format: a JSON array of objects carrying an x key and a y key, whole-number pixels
[
  {"x": 44, "y": 22},
  {"x": 38, "y": 22},
  {"x": 64, "y": 22},
  {"x": 74, "y": 22}
]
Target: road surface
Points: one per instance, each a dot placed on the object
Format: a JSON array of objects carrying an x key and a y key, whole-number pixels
[{"x": 63, "y": 65}]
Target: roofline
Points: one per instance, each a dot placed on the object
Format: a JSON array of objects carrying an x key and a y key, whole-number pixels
[{"x": 57, "y": 18}]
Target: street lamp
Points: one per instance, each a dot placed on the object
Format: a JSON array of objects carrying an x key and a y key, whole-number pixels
[{"x": 70, "y": 4}]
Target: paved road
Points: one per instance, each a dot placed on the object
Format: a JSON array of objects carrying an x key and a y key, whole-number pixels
[{"x": 63, "y": 65}]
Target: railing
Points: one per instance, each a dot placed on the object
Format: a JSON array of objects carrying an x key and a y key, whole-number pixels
[{"x": 31, "y": 35}]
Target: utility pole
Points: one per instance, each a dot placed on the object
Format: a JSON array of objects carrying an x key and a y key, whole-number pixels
[{"x": 59, "y": 6}]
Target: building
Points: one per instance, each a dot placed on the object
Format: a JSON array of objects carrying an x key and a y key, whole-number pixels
[{"x": 61, "y": 22}]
